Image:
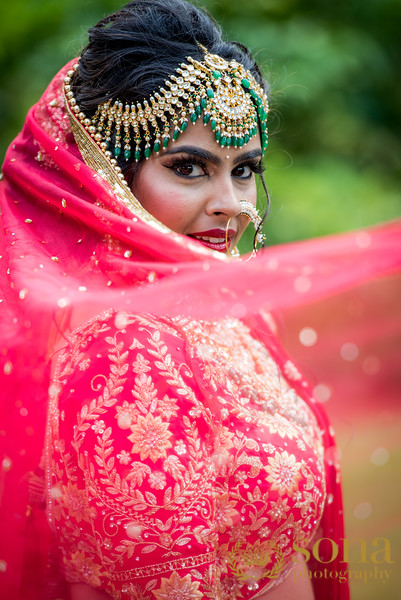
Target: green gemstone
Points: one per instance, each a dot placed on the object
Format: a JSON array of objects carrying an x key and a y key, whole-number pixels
[
  {"x": 217, "y": 135},
  {"x": 176, "y": 134},
  {"x": 198, "y": 111},
  {"x": 234, "y": 141},
  {"x": 206, "y": 118},
  {"x": 253, "y": 94},
  {"x": 216, "y": 74},
  {"x": 263, "y": 126},
  {"x": 127, "y": 154},
  {"x": 203, "y": 102},
  {"x": 240, "y": 142},
  {"x": 165, "y": 142},
  {"x": 137, "y": 155},
  {"x": 262, "y": 114},
  {"x": 210, "y": 92},
  {"x": 246, "y": 83},
  {"x": 184, "y": 125},
  {"x": 148, "y": 152},
  {"x": 193, "y": 117},
  {"x": 223, "y": 140},
  {"x": 156, "y": 147},
  {"x": 228, "y": 141},
  {"x": 117, "y": 151},
  {"x": 246, "y": 139},
  {"x": 213, "y": 124}
]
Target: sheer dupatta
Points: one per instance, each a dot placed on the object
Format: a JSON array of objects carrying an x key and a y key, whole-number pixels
[{"x": 75, "y": 242}]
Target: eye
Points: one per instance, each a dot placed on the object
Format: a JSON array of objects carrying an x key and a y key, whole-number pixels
[
  {"x": 245, "y": 171},
  {"x": 242, "y": 171},
  {"x": 188, "y": 169}
]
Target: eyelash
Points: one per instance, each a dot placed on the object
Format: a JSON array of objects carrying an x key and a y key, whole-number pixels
[
  {"x": 257, "y": 168},
  {"x": 186, "y": 162}
]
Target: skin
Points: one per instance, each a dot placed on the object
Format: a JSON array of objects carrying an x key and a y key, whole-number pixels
[
  {"x": 195, "y": 185},
  {"x": 297, "y": 586}
]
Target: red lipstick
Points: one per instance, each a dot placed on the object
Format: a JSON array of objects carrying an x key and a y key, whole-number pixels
[{"x": 215, "y": 239}]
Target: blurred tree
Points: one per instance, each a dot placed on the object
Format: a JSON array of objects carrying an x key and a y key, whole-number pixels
[
  {"x": 333, "y": 68},
  {"x": 335, "y": 147},
  {"x": 38, "y": 38}
]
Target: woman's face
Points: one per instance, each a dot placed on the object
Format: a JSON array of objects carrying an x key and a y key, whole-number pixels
[{"x": 195, "y": 186}]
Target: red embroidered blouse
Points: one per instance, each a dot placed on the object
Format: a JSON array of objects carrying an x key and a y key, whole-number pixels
[{"x": 180, "y": 462}]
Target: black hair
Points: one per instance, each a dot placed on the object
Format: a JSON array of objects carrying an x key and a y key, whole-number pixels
[{"x": 132, "y": 52}]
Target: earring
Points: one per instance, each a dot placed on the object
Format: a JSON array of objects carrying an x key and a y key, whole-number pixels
[{"x": 250, "y": 211}]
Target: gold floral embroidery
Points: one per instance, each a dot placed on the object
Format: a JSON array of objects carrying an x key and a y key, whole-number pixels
[
  {"x": 141, "y": 365},
  {"x": 79, "y": 562},
  {"x": 283, "y": 472},
  {"x": 225, "y": 512},
  {"x": 150, "y": 437},
  {"x": 175, "y": 457},
  {"x": 75, "y": 502},
  {"x": 279, "y": 509},
  {"x": 157, "y": 480},
  {"x": 178, "y": 588},
  {"x": 136, "y": 592},
  {"x": 282, "y": 426}
]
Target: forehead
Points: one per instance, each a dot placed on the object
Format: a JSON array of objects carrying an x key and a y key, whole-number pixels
[{"x": 202, "y": 136}]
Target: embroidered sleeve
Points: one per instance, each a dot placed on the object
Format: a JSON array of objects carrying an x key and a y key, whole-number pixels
[{"x": 154, "y": 492}]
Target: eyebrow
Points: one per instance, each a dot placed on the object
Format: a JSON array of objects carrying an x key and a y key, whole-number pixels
[
  {"x": 257, "y": 153},
  {"x": 194, "y": 151},
  {"x": 209, "y": 156}
]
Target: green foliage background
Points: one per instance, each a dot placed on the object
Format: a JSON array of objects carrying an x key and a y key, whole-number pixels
[{"x": 334, "y": 158}]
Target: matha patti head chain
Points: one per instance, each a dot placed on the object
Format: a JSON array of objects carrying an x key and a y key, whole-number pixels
[{"x": 224, "y": 94}]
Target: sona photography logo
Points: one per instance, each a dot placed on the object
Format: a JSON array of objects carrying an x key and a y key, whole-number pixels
[{"x": 363, "y": 560}]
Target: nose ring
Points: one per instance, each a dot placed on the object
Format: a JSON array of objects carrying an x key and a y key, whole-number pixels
[
  {"x": 250, "y": 211},
  {"x": 234, "y": 253}
]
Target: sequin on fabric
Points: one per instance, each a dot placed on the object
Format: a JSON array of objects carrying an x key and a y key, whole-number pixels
[{"x": 180, "y": 462}]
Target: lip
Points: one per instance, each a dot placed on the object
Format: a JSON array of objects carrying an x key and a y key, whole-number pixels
[{"x": 220, "y": 246}]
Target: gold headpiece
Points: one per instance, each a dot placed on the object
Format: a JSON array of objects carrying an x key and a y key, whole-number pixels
[{"x": 223, "y": 93}]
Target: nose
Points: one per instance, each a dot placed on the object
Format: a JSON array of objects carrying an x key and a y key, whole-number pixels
[{"x": 224, "y": 198}]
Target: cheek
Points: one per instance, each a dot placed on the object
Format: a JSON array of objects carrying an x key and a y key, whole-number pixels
[
  {"x": 168, "y": 204},
  {"x": 251, "y": 194}
]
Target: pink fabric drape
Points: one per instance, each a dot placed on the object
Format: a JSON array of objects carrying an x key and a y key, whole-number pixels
[{"x": 70, "y": 248}]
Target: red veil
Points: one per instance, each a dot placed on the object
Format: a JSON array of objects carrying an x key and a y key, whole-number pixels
[{"x": 74, "y": 242}]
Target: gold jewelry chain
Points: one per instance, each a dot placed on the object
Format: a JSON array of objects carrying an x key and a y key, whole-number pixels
[{"x": 223, "y": 93}]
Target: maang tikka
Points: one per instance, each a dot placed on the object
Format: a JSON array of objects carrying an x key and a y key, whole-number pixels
[{"x": 223, "y": 93}]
